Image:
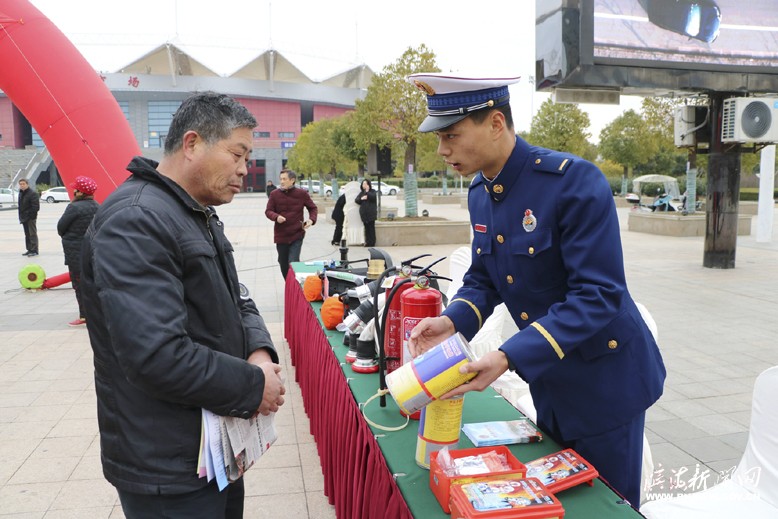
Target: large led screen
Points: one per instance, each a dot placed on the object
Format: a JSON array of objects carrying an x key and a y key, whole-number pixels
[
  {"x": 688, "y": 33},
  {"x": 650, "y": 47}
]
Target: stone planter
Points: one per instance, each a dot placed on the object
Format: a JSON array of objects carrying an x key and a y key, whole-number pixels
[
  {"x": 386, "y": 210},
  {"x": 675, "y": 224},
  {"x": 326, "y": 212},
  {"x": 421, "y": 232},
  {"x": 453, "y": 198},
  {"x": 620, "y": 201}
]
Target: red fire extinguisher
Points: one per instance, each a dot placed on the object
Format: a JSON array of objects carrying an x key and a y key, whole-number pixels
[
  {"x": 423, "y": 301},
  {"x": 393, "y": 336},
  {"x": 416, "y": 304}
]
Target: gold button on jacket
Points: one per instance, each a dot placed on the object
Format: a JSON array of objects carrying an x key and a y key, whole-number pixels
[
  {"x": 500, "y": 238},
  {"x": 524, "y": 316},
  {"x": 510, "y": 279},
  {"x": 612, "y": 344}
]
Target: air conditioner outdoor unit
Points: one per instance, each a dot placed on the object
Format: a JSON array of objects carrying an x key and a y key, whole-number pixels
[{"x": 750, "y": 119}]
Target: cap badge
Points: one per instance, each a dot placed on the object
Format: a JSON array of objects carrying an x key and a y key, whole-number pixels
[
  {"x": 424, "y": 87},
  {"x": 529, "y": 222}
]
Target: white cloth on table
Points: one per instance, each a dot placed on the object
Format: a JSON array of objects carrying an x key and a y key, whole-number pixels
[{"x": 752, "y": 491}]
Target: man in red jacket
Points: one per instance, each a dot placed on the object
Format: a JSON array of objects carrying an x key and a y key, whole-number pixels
[{"x": 285, "y": 207}]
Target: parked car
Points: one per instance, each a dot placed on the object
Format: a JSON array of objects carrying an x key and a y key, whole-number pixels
[
  {"x": 387, "y": 189},
  {"x": 56, "y": 194},
  {"x": 315, "y": 187},
  {"x": 698, "y": 19},
  {"x": 8, "y": 196},
  {"x": 315, "y": 184}
]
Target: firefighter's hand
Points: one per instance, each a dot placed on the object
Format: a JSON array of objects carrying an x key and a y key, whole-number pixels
[
  {"x": 430, "y": 332},
  {"x": 488, "y": 369}
]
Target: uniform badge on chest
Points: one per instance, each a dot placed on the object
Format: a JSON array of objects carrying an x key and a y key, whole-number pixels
[{"x": 529, "y": 222}]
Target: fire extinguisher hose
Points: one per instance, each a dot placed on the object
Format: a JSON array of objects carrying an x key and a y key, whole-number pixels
[{"x": 379, "y": 393}]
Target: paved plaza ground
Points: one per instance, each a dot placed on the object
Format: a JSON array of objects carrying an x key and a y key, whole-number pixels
[{"x": 717, "y": 332}]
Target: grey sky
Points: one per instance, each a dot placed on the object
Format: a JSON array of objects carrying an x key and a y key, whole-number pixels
[{"x": 493, "y": 38}]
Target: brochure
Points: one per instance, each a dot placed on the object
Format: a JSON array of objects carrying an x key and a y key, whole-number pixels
[
  {"x": 486, "y": 434},
  {"x": 230, "y": 446}
]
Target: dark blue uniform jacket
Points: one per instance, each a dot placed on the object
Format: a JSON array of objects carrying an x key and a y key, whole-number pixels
[{"x": 546, "y": 243}]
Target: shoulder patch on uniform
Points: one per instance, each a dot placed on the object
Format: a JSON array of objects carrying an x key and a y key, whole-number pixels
[{"x": 552, "y": 163}]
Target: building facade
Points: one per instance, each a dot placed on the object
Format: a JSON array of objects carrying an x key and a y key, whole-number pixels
[{"x": 278, "y": 94}]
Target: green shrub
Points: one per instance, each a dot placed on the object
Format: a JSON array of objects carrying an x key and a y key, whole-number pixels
[
  {"x": 751, "y": 194},
  {"x": 425, "y": 183},
  {"x": 615, "y": 184}
]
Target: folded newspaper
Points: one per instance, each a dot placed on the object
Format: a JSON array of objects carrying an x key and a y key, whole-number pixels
[
  {"x": 230, "y": 446},
  {"x": 485, "y": 434}
]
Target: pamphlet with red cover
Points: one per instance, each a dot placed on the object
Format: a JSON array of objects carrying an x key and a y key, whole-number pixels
[
  {"x": 505, "y": 499},
  {"x": 561, "y": 470},
  {"x": 441, "y": 482}
]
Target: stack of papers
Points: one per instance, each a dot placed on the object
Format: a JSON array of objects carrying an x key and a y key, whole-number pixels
[
  {"x": 230, "y": 446},
  {"x": 486, "y": 434}
]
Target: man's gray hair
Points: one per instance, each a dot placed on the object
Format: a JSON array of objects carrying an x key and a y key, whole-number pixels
[
  {"x": 289, "y": 173},
  {"x": 213, "y": 116}
]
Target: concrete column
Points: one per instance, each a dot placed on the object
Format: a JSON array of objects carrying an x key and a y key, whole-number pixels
[
  {"x": 721, "y": 205},
  {"x": 764, "y": 218}
]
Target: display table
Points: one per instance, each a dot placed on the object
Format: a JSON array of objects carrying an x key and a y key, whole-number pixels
[{"x": 369, "y": 473}]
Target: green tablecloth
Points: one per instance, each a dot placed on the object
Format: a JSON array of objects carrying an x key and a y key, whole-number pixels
[{"x": 399, "y": 448}]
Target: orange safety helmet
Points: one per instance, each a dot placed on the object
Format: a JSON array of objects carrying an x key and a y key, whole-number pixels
[
  {"x": 332, "y": 312},
  {"x": 312, "y": 288}
]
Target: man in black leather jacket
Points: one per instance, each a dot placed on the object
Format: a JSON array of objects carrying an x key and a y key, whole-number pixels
[{"x": 170, "y": 331}]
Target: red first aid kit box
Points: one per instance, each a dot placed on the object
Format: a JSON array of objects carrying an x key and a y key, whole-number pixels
[
  {"x": 562, "y": 470},
  {"x": 505, "y": 499},
  {"x": 441, "y": 484}
]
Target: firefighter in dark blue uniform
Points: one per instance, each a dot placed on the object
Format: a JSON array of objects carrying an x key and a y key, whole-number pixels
[{"x": 547, "y": 244}]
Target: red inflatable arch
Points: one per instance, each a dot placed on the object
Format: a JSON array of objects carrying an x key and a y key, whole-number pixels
[{"x": 64, "y": 99}]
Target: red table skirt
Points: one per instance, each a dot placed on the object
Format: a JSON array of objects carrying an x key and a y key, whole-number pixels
[{"x": 356, "y": 478}]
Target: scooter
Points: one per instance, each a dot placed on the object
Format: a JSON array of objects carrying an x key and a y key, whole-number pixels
[{"x": 663, "y": 203}]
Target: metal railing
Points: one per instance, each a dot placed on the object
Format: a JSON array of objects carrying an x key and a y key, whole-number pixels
[{"x": 34, "y": 167}]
